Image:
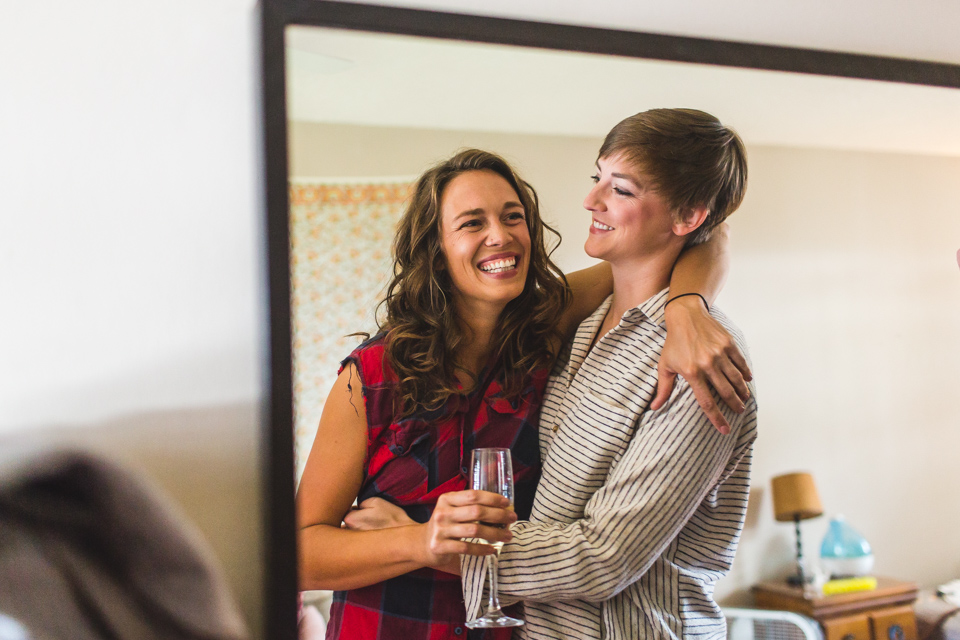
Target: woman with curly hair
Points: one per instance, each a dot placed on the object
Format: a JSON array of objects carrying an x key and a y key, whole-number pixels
[{"x": 476, "y": 313}]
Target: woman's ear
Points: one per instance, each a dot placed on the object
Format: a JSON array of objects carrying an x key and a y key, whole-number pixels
[{"x": 690, "y": 220}]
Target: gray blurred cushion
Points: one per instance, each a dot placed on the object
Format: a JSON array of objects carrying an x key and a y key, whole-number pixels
[{"x": 89, "y": 550}]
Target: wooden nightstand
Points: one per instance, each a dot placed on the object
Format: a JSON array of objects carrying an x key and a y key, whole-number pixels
[{"x": 884, "y": 613}]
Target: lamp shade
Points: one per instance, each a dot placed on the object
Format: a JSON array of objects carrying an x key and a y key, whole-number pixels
[{"x": 795, "y": 497}]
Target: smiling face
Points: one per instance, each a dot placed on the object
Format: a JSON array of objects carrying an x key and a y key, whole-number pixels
[
  {"x": 629, "y": 219},
  {"x": 484, "y": 240}
]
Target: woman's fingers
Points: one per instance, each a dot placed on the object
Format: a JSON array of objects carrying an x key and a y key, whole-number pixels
[
  {"x": 461, "y": 516},
  {"x": 376, "y": 513},
  {"x": 701, "y": 391},
  {"x": 452, "y": 517},
  {"x": 474, "y": 549},
  {"x": 726, "y": 376},
  {"x": 740, "y": 362},
  {"x": 473, "y": 506},
  {"x": 465, "y": 539},
  {"x": 458, "y": 538},
  {"x": 479, "y": 530},
  {"x": 718, "y": 375},
  {"x": 666, "y": 380},
  {"x": 735, "y": 376},
  {"x": 373, "y": 503},
  {"x": 472, "y": 497},
  {"x": 448, "y": 539},
  {"x": 462, "y": 547},
  {"x": 477, "y": 513}
]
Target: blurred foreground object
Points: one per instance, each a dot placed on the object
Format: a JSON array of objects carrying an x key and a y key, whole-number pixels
[
  {"x": 90, "y": 551},
  {"x": 937, "y": 617},
  {"x": 312, "y": 625}
]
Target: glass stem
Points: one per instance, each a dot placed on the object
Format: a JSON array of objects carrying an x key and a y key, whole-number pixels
[{"x": 493, "y": 600}]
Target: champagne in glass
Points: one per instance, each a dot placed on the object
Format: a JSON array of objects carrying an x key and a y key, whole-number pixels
[
  {"x": 492, "y": 470},
  {"x": 497, "y": 546}
]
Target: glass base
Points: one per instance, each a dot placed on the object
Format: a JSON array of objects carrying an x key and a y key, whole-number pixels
[{"x": 494, "y": 621}]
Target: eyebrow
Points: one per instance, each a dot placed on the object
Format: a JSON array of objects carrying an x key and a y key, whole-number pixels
[
  {"x": 623, "y": 176},
  {"x": 479, "y": 211}
]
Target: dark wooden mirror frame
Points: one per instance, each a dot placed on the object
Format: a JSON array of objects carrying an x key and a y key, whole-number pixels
[{"x": 280, "y": 557}]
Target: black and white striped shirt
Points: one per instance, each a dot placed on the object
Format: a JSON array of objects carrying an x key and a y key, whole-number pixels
[{"x": 638, "y": 512}]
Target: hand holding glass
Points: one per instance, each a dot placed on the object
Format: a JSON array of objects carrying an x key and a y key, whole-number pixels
[{"x": 492, "y": 470}]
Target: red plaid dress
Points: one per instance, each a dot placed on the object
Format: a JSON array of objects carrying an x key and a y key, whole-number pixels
[{"x": 411, "y": 463}]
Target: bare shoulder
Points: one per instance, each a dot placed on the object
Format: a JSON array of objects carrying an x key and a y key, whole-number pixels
[{"x": 334, "y": 471}]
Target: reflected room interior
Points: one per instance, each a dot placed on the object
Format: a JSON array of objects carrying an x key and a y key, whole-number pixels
[{"x": 844, "y": 277}]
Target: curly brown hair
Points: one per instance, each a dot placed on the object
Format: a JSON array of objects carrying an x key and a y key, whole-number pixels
[{"x": 422, "y": 329}]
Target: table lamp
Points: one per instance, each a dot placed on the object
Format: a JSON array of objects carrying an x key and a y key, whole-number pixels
[{"x": 794, "y": 499}]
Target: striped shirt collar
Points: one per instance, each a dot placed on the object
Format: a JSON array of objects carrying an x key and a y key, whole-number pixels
[{"x": 651, "y": 310}]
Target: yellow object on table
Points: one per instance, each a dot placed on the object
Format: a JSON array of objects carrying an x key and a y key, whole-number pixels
[{"x": 849, "y": 585}]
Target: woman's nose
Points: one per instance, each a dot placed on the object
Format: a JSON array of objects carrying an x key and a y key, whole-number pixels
[
  {"x": 592, "y": 201},
  {"x": 497, "y": 235}
]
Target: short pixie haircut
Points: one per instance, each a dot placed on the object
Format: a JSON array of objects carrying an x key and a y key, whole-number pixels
[{"x": 693, "y": 160}]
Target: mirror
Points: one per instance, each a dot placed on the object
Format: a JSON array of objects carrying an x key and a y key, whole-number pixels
[{"x": 844, "y": 275}]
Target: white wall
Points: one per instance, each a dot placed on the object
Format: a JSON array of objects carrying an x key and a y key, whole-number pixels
[
  {"x": 855, "y": 341},
  {"x": 129, "y": 240},
  {"x": 129, "y": 235},
  {"x": 845, "y": 283}
]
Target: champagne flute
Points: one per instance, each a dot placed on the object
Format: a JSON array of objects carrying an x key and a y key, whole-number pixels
[{"x": 492, "y": 470}]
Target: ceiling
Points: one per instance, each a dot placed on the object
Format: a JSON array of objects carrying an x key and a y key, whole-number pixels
[
  {"x": 383, "y": 80},
  {"x": 921, "y": 29}
]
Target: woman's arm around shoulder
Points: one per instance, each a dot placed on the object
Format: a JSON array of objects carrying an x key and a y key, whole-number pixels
[
  {"x": 589, "y": 288},
  {"x": 698, "y": 347}
]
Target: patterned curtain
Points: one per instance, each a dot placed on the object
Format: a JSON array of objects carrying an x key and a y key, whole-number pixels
[{"x": 340, "y": 236}]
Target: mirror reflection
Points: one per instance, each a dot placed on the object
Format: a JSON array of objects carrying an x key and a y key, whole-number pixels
[{"x": 844, "y": 278}]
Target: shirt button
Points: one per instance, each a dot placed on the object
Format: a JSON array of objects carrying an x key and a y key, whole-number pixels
[
  {"x": 458, "y": 631},
  {"x": 555, "y": 428}
]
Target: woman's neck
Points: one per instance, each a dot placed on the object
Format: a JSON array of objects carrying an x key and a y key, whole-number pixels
[
  {"x": 478, "y": 327},
  {"x": 635, "y": 281}
]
